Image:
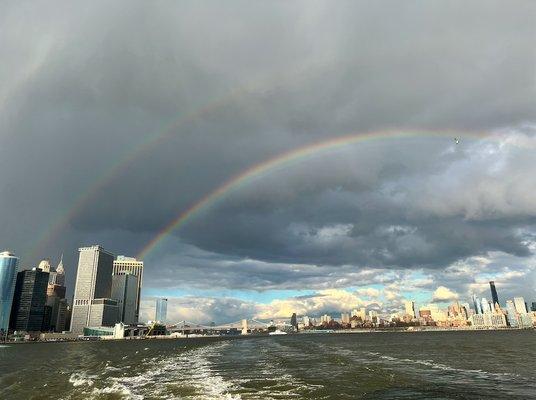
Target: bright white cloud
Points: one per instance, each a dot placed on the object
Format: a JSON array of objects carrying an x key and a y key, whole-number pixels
[
  {"x": 443, "y": 293},
  {"x": 328, "y": 300}
]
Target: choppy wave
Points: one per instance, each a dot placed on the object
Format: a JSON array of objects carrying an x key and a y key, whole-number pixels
[
  {"x": 187, "y": 375},
  {"x": 443, "y": 367},
  {"x": 81, "y": 379},
  {"x": 293, "y": 367}
]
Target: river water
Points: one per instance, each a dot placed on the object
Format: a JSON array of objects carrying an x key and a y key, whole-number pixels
[{"x": 433, "y": 365}]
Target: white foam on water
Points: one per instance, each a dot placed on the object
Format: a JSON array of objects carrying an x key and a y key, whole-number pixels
[
  {"x": 273, "y": 378},
  {"x": 191, "y": 371},
  {"x": 81, "y": 379},
  {"x": 443, "y": 367},
  {"x": 118, "y": 390}
]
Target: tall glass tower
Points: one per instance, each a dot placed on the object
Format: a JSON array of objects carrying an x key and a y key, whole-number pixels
[
  {"x": 8, "y": 276},
  {"x": 476, "y": 304},
  {"x": 161, "y": 310},
  {"x": 494, "y": 297}
]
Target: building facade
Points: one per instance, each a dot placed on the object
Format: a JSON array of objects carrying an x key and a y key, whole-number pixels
[
  {"x": 125, "y": 292},
  {"x": 512, "y": 314},
  {"x": 130, "y": 265},
  {"x": 520, "y": 305},
  {"x": 8, "y": 278},
  {"x": 494, "y": 296},
  {"x": 476, "y": 304},
  {"x": 103, "y": 312},
  {"x": 57, "y": 276},
  {"x": 161, "y": 310},
  {"x": 29, "y": 300},
  {"x": 93, "y": 281},
  {"x": 410, "y": 308},
  {"x": 488, "y": 321}
]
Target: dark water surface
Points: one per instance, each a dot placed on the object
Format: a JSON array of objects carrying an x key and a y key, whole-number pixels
[{"x": 435, "y": 365}]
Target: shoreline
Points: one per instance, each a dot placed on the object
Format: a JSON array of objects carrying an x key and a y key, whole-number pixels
[{"x": 265, "y": 335}]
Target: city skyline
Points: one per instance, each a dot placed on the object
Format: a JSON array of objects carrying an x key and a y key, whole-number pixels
[
  {"x": 129, "y": 265},
  {"x": 297, "y": 174}
]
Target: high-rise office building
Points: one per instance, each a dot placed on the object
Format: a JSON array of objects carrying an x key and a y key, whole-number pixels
[
  {"x": 44, "y": 265},
  {"x": 130, "y": 265},
  {"x": 494, "y": 296},
  {"x": 520, "y": 305},
  {"x": 58, "y": 306},
  {"x": 476, "y": 304},
  {"x": 325, "y": 319},
  {"x": 361, "y": 313},
  {"x": 125, "y": 292},
  {"x": 29, "y": 300},
  {"x": 93, "y": 282},
  {"x": 512, "y": 314},
  {"x": 294, "y": 320},
  {"x": 533, "y": 307},
  {"x": 57, "y": 275},
  {"x": 410, "y": 308},
  {"x": 8, "y": 277},
  {"x": 56, "y": 303},
  {"x": 103, "y": 312},
  {"x": 161, "y": 310},
  {"x": 486, "y": 307}
]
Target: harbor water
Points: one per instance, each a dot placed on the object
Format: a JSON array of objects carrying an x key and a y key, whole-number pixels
[{"x": 425, "y": 365}]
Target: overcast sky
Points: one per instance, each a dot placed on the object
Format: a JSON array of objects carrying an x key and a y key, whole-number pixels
[{"x": 216, "y": 88}]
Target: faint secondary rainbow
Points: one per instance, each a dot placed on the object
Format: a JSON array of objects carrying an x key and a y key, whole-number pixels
[
  {"x": 86, "y": 197},
  {"x": 290, "y": 157}
]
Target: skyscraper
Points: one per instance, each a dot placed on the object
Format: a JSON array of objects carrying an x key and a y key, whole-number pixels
[
  {"x": 44, "y": 265},
  {"x": 512, "y": 314},
  {"x": 521, "y": 306},
  {"x": 123, "y": 265},
  {"x": 494, "y": 297},
  {"x": 124, "y": 291},
  {"x": 161, "y": 310},
  {"x": 486, "y": 308},
  {"x": 56, "y": 299},
  {"x": 28, "y": 309},
  {"x": 57, "y": 276},
  {"x": 294, "y": 321},
  {"x": 476, "y": 304},
  {"x": 410, "y": 308},
  {"x": 8, "y": 277},
  {"x": 93, "y": 286}
]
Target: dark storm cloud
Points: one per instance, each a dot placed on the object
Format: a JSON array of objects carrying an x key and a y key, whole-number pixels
[{"x": 83, "y": 85}]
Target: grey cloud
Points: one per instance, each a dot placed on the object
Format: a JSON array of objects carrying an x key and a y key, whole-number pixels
[{"x": 86, "y": 85}]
